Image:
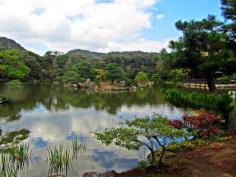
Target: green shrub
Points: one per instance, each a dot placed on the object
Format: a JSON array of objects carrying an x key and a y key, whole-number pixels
[
  {"x": 221, "y": 103},
  {"x": 181, "y": 147},
  {"x": 224, "y": 79}
]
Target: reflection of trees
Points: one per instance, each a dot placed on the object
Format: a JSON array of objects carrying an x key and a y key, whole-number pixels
[{"x": 58, "y": 98}]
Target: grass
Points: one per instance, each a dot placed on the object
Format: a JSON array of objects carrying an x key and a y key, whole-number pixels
[
  {"x": 14, "y": 160},
  {"x": 60, "y": 157}
]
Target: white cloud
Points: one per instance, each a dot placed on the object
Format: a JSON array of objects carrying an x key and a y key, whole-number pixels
[
  {"x": 160, "y": 16},
  {"x": 64, "y": 25}
]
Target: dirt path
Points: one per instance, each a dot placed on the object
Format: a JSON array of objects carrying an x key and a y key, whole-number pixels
[{"x": 215, "y": 160}]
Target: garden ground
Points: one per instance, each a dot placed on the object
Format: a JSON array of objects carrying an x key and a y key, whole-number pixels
[{"x": 214, "y": 160}]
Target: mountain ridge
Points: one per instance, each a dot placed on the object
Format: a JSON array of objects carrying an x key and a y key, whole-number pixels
[{"x": 7, "y": 43}]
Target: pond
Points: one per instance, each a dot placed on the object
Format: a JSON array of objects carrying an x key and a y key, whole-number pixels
[{"x": 55, "y": 115}]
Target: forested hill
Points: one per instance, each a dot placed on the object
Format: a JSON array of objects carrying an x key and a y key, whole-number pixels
[
  {"x": 74, "y": 66},
  {"x": 85, "y": 54},
  {"x": 6, "y": 43}
]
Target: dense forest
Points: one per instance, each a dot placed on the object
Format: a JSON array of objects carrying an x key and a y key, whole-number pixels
[{"x": 74, "y": 66}]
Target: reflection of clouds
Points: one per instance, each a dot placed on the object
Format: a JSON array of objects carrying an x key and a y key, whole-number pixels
[
  {"x": 89, "y": 121},
  {"x": 131, "y": 112},
  {"x": 39, "y": 142},
  {"x": 48, "y": 131},
  {"x": 110, "y": 160}
]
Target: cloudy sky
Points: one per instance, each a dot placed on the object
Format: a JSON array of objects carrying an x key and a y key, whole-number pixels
[{"x": 98, "y": 25}]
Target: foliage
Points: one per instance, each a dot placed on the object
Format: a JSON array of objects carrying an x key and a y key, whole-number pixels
[
  {"x": 71, "y": 77},
  {"x": 181, "y": 147},
  {"x": 100, "y": 74},
  {"x": 204, "y": 125},
  {"x": 203, "y": 49},
  {"x": 178, "y": 75},
  {"x": 153, "y": 133},
  {"x": 223, "y": 79},
  {"x": 134, "y": 62},
  {"x": 12, "y": 66},
  {"x": 218, "y": 103},
  {"x": 141, "y": 78},
  {"x": 114, "y": 72},
  {"x": 229, "y": 12}
]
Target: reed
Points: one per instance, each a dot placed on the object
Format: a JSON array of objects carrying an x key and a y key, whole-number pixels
[
  {"x": 60, "y": 157},
  {"x": 14, "y": 161}
]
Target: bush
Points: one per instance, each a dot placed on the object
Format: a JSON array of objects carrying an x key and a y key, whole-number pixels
[
  {"x": 233, "y": 77},
  {"x": 218, "y": 103},
  {"x": 223, "y": 79},
  {"x": 203, "y": 125},
  {"x": 181, "y": 147}
]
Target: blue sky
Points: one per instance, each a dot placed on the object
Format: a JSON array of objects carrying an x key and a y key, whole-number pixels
[
  {"x": 175, "y": 10},
  {"x": 99, "y": 25}
]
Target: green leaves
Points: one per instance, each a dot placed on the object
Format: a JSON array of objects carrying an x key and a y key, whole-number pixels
[
  {"x": 141, "y": 78},
  {"x": 151, "y": 133},
  {"x": 123, "y": 137},
  {"x": 12, "y": 65},
  {"x": 114, "y": 72}
]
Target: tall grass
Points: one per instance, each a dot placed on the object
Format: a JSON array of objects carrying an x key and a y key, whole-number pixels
[
  {"x": 60, "y": 157},
  {"x": 15, "y": 160}
]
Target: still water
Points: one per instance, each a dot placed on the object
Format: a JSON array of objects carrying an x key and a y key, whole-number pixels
[{"x": 56, "y": 115}]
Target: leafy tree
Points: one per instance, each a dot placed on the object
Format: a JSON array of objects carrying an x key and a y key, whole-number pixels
[
  {"x": 100, "y": 73},
  {"x": 141, "y": 78},
  {"x": 72, "y": 77},
  {"x": 151, "y": 133},
  {"x": 12, "y": 66},
  {"x": 85, "y": 70},
  {"x": 204, "y": 125},
  {"x": 178, "y": 75},
  {"x": 60, "y": 64},
  {"x": 203, "y": 49},
  {"x": 114, "y": 72},
  {"x": 229, "y": 12}
]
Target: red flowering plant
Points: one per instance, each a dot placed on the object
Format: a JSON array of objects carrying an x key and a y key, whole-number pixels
[{"x": 203, "y": 124}]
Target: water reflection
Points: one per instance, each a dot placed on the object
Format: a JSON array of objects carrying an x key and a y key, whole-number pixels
[{"x": 56, "y": 115}]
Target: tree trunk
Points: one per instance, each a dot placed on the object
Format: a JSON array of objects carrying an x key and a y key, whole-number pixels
[
  {"x": 153, "y": 160},
  {"x": 211, "y": 82},
  {"x": 162, "y": 156},
  {"x": 227, "y": 120}
]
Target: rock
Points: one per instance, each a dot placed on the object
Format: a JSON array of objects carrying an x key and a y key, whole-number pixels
[
  {"x": 4, "y": 100},
  {"x": 95, "y": 174},
  {"x": 89, "y": 84}
]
